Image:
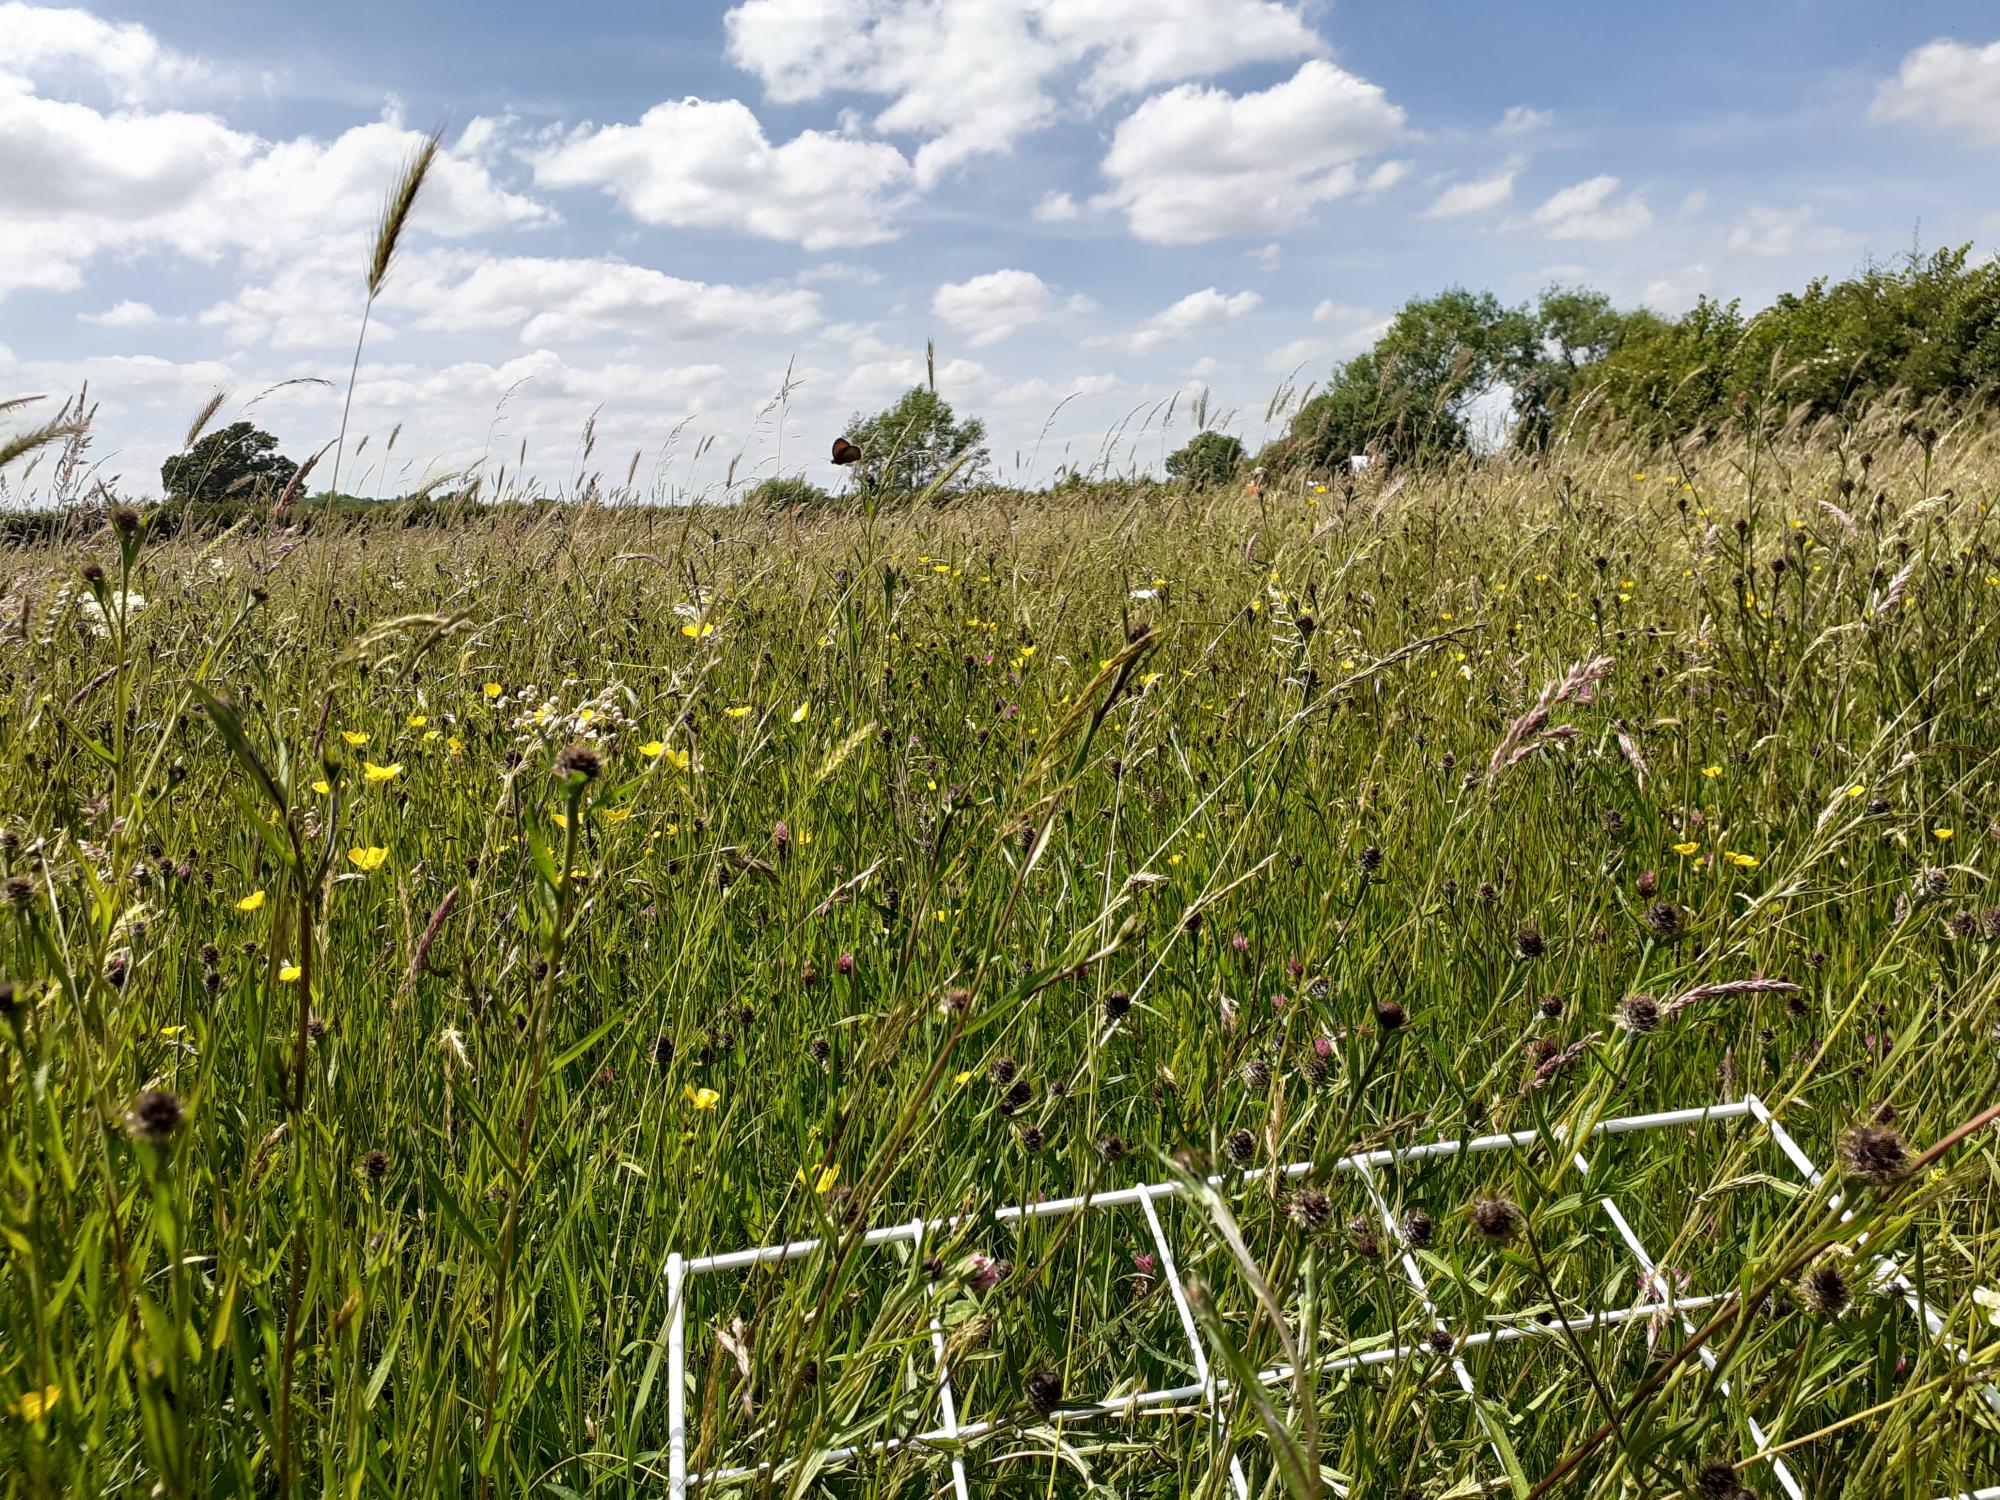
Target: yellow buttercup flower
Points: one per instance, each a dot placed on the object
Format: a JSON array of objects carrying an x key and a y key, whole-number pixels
[
  {"x": 494, "y": 690},
  {"x": 251, "y": 902},
  {"x": 1711, "y": 772},
  {"x": 1942, "y": 835},
  {"x": 652, "y": 747},
  {"x": 289, "y": 974},
  {"x": 323, "y": 787},
  {"x": 416, "y": 721},
  {"x": 368, "y": 858},
  {"x": 799, "y": 713},
  {"x": 701, "y": 1098},
  {"x": 1743, "y": 861},
  {"x": 372, "y": 772},
  {"x": 823, "y": 1180},
  {"x": 739, "y": 711},
  {"x": 680, "y": 760},
  {"x": 698, "y": 632},
  {"x": 354, "y": 737},
  {"x": 34, "y": 1405},
  {"x": 1684, "y": 850}
]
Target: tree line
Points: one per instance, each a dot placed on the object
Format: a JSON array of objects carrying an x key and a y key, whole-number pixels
[{"x": 1924, "y": 329}]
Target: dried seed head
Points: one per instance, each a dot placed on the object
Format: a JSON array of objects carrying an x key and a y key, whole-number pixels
[
  {"x": 1552, "y": 1006},
  {"x": 1390, "y": 1016},
  {"x": 1257, "y": 1073},
  {"x": 1638, "y": 1014},
  {"x": 1031, "y": 1138},
  {"x": 1441, "y": 1341},
  {"x": 1240, "y": 1146},
  {"x": 1824, "y": 1290},
  {"x": 17, "y": 893},
  {"x": 1647, "y": 883},
  {"x": 1419, "y": 1229},
  {"x": 1664, "y": 918},
  {"x": 1000, "y": 1072},
  {"x": 1043, "y": 1392},
  {"x": 581, "y": 760},
  {"x": 1371, "y": 860},
  {"x": 154, "y": 1116},
  {"x": 956, "y": 1002},
  {"x": 1117, "y": 1005},
  {"x": 1495, "y": 1221},
  {"x": 1528, "y": 943},
  {"x": 1874, "y": 1154},
  {"x": 1310, "y": 1209},
  {"x": 1111, "y": 1148},
  {"x": 375, "y": 1165}
]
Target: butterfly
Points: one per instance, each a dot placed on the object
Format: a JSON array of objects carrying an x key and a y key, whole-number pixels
[{"x": 845, "y": 452}]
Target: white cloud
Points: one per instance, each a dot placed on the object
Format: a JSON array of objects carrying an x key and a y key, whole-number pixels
[
  {"x": 137, "y": 182},
  {"x": 1694, "y": 203},
  {"x": 1057, "y": 208},
  {"x": 839, "y": 271},
  {"x": 51, "y": 43},
  {"x": 1197, "y": 163},
  {"x": 314, "y": 303},
  {"x": 1331, "y": 311},
  {"x": 708, "y": 165},
  {"x": 1520, "y": 120},
  {"x": 1945, "y": 85},
  {"x": 1473, "y": 197},
  {"x": 1195, "y": 313},
  {"x": 972, "y": 76},
  {"x": 1586, "y": 211},
  {"x": 126, "y": 314},
  {"x": 1675, "y": 294},
  {"x": 1768, "y": 231},
  {"x": 1288, "y": 357},
  {"x": 992, "y": 307},
  {"x": 1267, "y": 257}
]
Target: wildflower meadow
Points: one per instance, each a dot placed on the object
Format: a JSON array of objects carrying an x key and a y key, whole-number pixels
[{"x": 416, "y": 936}]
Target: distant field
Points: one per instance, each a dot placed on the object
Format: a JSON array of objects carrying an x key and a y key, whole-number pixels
[{"x": 413, "y": 936}]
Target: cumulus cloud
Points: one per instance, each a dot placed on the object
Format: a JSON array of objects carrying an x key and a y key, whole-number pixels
[
  {"x": 137, "y": 181},
  {"x": 1767, "y": 231},
  {"x": 53, "y": 43},
  {"x": 1198, "y": 312},
  {"x": 1521, "y": 120},
  {"x": 707, "y": 164},
  {"x": 1288, "y": 357},
  {"x": 973, "y": 76},
  {"x": 1057, "y": 208},
  {"x": 1473, "y": 197},
  {"x": 992, "y": 307},
  {"x": 1948, "y": 86},
  {"x": 544, "y": 300},
  {"x": 126, "y": 314},
  {"x": 1198, "y": 163},
  {"x": 1586, "y": 211}
]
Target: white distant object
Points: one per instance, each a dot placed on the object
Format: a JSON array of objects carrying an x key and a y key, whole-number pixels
[{"x": 1356, "y": 462}]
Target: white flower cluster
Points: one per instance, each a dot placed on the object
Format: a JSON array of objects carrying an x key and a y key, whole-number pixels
[{"x": 601, "y": 718}]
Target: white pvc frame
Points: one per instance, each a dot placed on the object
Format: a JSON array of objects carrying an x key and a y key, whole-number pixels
[{"x": 1207, "y": 1386}]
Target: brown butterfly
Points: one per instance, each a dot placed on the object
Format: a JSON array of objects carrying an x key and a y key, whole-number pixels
[{"x": 845, "y": 452}]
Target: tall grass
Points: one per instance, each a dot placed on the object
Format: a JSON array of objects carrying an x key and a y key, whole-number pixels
[{"x": 414, "y": 934}]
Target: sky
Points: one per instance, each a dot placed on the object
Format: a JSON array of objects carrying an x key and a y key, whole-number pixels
[{"x": 720, "y": 230}]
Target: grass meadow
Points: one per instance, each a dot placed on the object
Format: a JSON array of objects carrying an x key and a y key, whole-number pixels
[{"x": 414, "y": 935}]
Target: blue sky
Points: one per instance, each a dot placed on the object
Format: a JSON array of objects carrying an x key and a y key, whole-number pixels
[{"x": 1096, "y": 208}]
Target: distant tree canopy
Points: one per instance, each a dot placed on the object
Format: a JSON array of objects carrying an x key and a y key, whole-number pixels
[
  {"x": 1206, "y": 460},
  {"x": 916, "y": 443},
  {"x": 232, "y": 463},
  {"x": 786, "y": 492},
  {"x": 1924, "y": 328}
]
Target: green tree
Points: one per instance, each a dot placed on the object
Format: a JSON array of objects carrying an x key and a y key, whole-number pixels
[
  {"x": 236, "y": 462},
  {"x": 916, "y": 443},
  {"x": 1407, "y": 397},
  {"x": 1207, "y": 460},
  {"x": 1574, "y": 330},
  {"x": 787, "y": 492}
]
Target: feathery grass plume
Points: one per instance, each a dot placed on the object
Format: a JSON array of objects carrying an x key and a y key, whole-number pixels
[
  {"x": 203, "y": 416},
  {"x": 1759, "y": 986},
  {"x": 396, "y": 211},
  {"x": 22, "y": 444}
]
